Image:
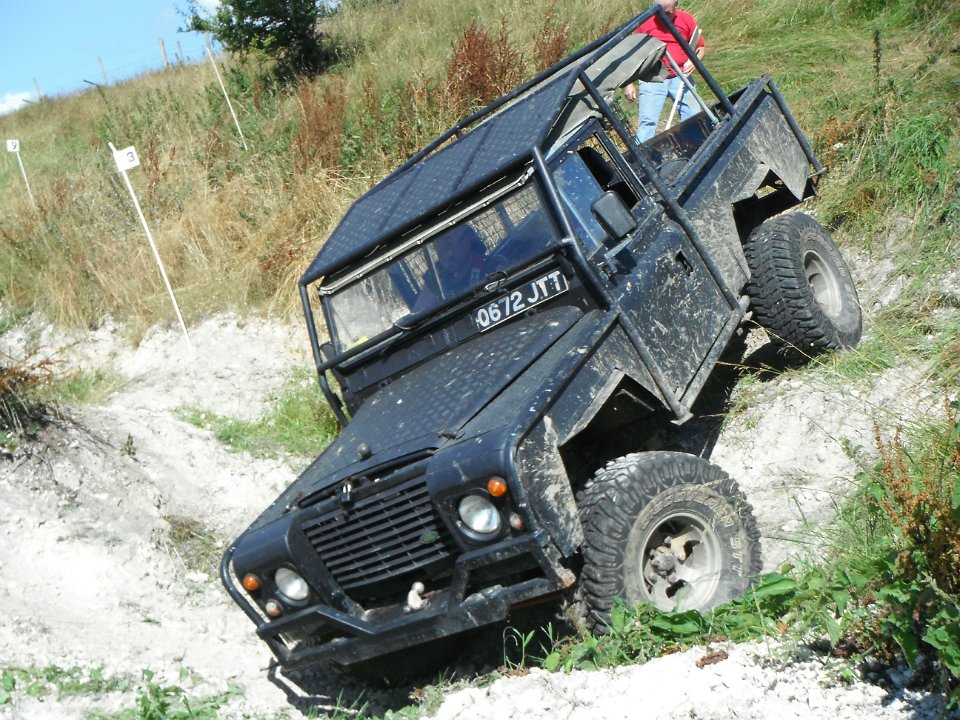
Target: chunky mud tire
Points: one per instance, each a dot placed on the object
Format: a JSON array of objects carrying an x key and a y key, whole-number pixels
[
  {"x": 667, "y": 528},
  {"x": 800, "y": 288}
]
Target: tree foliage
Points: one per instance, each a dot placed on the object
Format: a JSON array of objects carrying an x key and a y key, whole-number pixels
[{"x": 285, "y": 30}]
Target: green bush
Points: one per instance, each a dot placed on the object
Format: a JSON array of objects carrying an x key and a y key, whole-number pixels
[
  {"x": 285, "y": 30},
  {"x": 916, "y": 491}
]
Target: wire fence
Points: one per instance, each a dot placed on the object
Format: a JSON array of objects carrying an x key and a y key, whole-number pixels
[{"x": 108, "y": 68}]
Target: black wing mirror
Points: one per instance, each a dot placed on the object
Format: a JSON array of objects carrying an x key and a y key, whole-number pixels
[{"x": 613, "y": 215}]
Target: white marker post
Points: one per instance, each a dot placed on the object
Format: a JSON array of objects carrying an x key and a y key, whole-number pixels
[
  {"x": 226, "y": 97},
  {"x": 14, "y": 147},
  {"x": 127, "y": 159}
]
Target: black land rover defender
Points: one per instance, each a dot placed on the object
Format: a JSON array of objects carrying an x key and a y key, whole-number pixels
[{"x": 512, "y": 315}]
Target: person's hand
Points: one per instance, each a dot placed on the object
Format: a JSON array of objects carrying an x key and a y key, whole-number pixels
[
  {"x": 630, "y": 91},
  {"x": 688, "y": 67}
]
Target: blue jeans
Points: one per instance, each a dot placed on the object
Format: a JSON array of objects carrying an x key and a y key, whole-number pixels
[{"x": 652, "y": 95}]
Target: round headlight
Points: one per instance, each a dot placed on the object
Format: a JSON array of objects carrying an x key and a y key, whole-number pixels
[
  {"x": 479, "y": 514},
  {"x": 291, "y": 585}
]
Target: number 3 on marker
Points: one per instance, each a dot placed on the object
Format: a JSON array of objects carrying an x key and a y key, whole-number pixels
[
  {"x": 13, "y": 146},
  {"x": 126, "y": 159}
]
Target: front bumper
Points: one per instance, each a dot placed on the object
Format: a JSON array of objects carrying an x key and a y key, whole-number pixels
[{"x": 363, "y": 634}]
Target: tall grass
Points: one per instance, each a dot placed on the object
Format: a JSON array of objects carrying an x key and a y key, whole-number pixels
[{"x": 236, "y": 228}]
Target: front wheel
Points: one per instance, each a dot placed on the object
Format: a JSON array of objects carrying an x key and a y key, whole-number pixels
[{"x": 668, "y": 528}]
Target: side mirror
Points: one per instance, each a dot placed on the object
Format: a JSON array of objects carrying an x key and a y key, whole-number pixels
[{"x": 613, "y": 215}]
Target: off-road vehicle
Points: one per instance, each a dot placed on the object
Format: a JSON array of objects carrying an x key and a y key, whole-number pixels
[{"x": 512, "y": 315}]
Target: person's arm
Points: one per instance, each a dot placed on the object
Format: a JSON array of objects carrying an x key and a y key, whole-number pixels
[{"x": 699, "y": 51}]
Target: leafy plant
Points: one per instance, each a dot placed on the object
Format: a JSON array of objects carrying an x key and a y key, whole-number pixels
[
  {"x": 482, "y": 67},
  {"x": 160, "y": 701},
  {"x": 285, "y": 30},
  {"x": 918, "y": 493},
  {"x": 778, "y": 604}
]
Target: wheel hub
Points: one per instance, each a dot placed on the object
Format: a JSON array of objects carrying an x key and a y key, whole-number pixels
[
  {"x": 823, "y": 282},
  {"x": 662, "y": 562},
  {"x": 681, "y": 563}
]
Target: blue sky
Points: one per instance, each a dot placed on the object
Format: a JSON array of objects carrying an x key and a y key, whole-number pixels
[{"x": 57, "y": 42}]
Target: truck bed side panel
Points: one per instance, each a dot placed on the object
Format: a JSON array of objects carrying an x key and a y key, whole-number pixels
[{"x": 764, "y": 145}]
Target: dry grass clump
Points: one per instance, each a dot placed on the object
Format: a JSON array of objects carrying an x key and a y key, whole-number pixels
[
  {"x": 21, "y": 411},
  {"x": 482, "y": 67}
]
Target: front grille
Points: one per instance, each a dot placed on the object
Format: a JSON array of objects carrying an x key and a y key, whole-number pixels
[{"x": 381, "y": 537}]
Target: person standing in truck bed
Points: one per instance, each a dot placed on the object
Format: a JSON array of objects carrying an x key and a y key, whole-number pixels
[{"x": 652, "y": 95}]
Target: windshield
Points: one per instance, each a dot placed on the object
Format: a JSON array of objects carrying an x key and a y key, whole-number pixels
[{"x": 442, "y": 266}]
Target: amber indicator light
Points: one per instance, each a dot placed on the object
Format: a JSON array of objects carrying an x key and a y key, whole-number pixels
[
  {"x": 497, "y": 487},
  {"x": 251, "y": 582}
]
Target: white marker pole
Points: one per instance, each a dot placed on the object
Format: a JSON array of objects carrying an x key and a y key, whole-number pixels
[
  {"x": 14, "y": 147},
  {"x": 127, "y": 159},
  {"x": 226, "y": 97}
]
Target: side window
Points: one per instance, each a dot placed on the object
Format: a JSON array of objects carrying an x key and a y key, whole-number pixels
[{"x": 578, "y": 189}]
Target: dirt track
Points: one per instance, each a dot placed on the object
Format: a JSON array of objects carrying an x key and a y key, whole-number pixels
[{"x": 113, "y": 522}]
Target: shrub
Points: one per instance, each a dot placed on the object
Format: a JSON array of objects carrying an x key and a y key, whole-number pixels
[
  {"x": 320, "y": 135},
  {"x": 285, "y": 30},
  {"x": 920, "y": 495},
  {"x": 918, "y": 492},
  {"x": 482, "y": 67},
  {"x": 21, "y": 410}
]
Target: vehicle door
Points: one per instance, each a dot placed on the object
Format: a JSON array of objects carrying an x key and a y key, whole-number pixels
[{"x": 656, "y": 276}]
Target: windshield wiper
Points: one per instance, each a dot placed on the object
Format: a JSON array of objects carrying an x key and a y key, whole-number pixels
[{"x": 412, "y": 321}]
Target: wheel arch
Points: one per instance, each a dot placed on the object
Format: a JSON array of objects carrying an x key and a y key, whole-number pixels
[
  {"x": 557, "y": 457},
  {"x": 624, "y": 418},
  {"x": 764, "y": 199}
]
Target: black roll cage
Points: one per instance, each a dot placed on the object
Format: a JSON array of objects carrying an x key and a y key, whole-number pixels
[{"x": 592, "y": 52}]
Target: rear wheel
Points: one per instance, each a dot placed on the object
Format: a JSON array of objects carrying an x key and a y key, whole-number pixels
[
  {"x": 668, "y": 528},
  {"x": 800, "y": 287}
]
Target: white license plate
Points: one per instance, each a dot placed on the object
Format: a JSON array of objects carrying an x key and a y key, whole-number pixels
[{"x": 519, "y": 300}]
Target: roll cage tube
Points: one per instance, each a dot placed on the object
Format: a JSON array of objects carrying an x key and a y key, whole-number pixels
[
  {"x": 332, "y": 400},
  {"x": 598, "y": 48}
]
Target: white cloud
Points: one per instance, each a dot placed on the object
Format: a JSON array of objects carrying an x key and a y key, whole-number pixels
[{"x": 13, "y": 101}]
